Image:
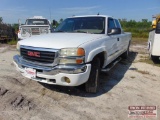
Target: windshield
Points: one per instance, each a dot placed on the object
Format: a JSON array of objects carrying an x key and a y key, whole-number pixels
[
  {"x": 95, "y": 25},
  {"x": 37, "y": 22}
]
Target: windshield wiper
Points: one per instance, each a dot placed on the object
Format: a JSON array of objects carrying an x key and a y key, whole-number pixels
[{"x": 79, "y": 31}]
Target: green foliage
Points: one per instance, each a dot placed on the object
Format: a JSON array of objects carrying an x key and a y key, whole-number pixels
[
  {"x": 1, "y": 19},
  {"x": 58, "y": 22},
  {"x": 149, "y": 61},
  {"x": 61, "y": 20},
  {"x": 15, "y": 26},
  {"x": 12, "y": 42},
  {"x": 138, "y": 29}
]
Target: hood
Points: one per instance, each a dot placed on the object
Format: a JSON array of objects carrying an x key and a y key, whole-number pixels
[{"x": 59, "y": 40}]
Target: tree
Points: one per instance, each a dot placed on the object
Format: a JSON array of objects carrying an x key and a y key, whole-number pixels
[
  {"x": 15, "y": 26},
  {"x": 144, "y": 20},
  {"x": 1, "y": 19},
  {"x": 61, "y": 20}
]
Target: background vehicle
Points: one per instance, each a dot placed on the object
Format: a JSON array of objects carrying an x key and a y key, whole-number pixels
[
  {"x": 75, "y": 53},
  {"x": 154, "y": 40},
  {"x": 34, "y": 26}
]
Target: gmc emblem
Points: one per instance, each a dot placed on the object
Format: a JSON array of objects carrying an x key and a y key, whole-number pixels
[{"x": 33, "y": 54}]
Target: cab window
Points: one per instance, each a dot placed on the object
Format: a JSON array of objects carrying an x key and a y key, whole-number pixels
[
  {"x": 117, "y": 24},
  {"x": 111, "y": 23}
]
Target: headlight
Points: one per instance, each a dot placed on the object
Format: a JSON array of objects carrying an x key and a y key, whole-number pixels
[
  {"x": 44, "y": 30},
  {"x": 71, "y": 56},
  {"x": 18, "y": 46},
  {"x": 25, "y": 31},
  {"x": 72, "y": 52}
]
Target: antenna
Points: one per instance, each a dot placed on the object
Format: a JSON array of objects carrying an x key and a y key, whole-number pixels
[
  {"x": 50, "y": 12},
  {"x": 98, "y": 13}
]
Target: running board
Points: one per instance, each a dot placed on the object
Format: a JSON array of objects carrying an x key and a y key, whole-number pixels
[{"x": 111, "y": 65}]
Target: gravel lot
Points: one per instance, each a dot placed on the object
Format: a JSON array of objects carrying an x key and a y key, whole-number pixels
[{"x": 129, "y": 83}]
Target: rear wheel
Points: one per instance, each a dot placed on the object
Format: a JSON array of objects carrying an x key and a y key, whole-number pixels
[{"x": 92, "y": 85}]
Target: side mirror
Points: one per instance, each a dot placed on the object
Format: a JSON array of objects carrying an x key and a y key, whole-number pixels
[{"x": 114, "y": 31}]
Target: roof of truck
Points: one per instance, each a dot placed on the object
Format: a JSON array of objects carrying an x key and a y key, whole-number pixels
[
  {"x": 91, "y": 16},
  {"x": 37, "y": 17}
]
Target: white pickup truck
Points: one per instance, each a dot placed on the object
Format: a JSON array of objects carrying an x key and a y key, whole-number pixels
[
  {"x": 34, "y": 26},
  {"x": 75, "y": 53}
]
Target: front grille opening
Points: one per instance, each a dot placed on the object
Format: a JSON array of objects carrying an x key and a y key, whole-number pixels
[
  {"x": 52, "y": 80},
  {"x": 39, "y": 70},
  {"x": 40, "y": 78},
  {"x": 35, "y": 31}
]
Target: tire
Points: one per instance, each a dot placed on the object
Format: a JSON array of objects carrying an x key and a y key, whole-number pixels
[
  {"x": 126, "y": 53},
  {"x": 155, "y": 59},
  {"x": 92, "y": 85}
]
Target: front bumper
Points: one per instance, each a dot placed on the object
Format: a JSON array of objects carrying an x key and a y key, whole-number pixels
[{"x": 78, "y": 74}]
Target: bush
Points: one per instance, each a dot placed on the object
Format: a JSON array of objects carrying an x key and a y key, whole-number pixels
[
  {"x": 138, "y": 29},
  {"x": 12, "y": 42}
]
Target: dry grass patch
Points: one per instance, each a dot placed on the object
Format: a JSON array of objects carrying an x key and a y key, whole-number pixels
[
  {"x": 149, "y": 61},
  {"x": 133, "y": 77},
  {"x": 139, "y": 41},
  {"x": 143, "y": 72}
]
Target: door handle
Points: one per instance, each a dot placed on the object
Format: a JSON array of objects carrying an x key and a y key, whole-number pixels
[{"x": 117, "y": 39}]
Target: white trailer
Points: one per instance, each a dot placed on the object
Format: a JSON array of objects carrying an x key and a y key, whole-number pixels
[{"x": 154, "y": 40}]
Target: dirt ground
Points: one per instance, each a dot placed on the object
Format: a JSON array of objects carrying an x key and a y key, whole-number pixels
[{"x": 129, "y": 83}]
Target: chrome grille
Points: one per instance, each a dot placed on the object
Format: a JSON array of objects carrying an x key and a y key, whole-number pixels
[
  {"x": 35, "y": 31},
  {"x": 44, "y": 56}
]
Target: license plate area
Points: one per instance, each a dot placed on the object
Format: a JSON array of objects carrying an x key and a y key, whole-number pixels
[{"x": 30, "y": 72}]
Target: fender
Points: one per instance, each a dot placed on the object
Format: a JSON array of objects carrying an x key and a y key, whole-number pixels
[{"x": 95, "y": 52}]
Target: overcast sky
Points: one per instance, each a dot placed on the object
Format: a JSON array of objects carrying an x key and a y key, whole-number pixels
[{"x": 12, "y": 10}]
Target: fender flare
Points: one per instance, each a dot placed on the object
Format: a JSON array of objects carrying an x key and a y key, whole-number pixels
[{"x": 95, "y": 52}]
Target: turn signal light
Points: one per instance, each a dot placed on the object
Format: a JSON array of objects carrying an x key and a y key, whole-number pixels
[
  {"x": 79, "y": 61},
  {"x": 80, "y": 52}
]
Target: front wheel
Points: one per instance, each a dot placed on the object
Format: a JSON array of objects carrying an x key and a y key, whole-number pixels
[{"x": 92, "y": 85}]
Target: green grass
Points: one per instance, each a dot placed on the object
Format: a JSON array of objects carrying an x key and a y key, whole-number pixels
[
  {"x": 139, "y": 40},
  {"x": 12, "y": 42},
  {"x": 149, "y": 61}
]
